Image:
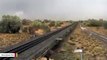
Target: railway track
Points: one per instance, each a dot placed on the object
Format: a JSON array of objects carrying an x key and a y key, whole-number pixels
[
  {"x": 36, "y": 47},
  {"x": 98, "y": 36}
]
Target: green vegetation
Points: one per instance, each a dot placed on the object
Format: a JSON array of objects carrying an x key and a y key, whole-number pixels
[
  {"x": 95, "y": 23},
  {"x": 10, "y": 24},
  {"x": 26, "y": 22},
  {"x": 58, "y": 23},
  {"x": 40, "y": 25},
  {"x": 55, "y": 24},
  {"x": 92, "y": 23},
  {"x": 105, "y": 24}
]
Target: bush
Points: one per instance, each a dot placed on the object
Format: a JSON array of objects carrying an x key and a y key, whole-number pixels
[
  {"x": 37, "y": 24},
  {"x": 10, "y": 24},
  {"x": 92, "y": 23},
  {"x": 105, "y": 24},
  {"x": 55, "y": 24},
  {"x": 40, "y": 25},
  {"x": 26, "y": 22}
]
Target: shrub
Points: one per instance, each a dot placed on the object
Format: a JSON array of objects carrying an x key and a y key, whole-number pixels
[
  {"x": 105, "y": 24},
  {"x": 10, "y": 24},
  {"x": 92, "y": 23},
  {"x": 40, "y": 25},
  {"x": 55, "y": 24},
  {"x": 52, "y": 23},
  {"x": 26, "y": 22}
]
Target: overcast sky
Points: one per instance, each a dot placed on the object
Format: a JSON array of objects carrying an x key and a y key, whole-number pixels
[{"x": 55, "y": 9}]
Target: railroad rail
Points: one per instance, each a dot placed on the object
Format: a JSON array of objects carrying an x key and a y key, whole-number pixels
[
  {"x": 36, "y": 47},
  {"x": 94, "y": 34}
]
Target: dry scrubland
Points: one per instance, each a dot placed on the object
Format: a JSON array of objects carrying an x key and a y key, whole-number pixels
[
  {"x": 92, "y": 49},
  {"x": 100, "y": 30},
  {"x": 7, "y": 39},
  {"x": 14, "y": 30},
  {"x": 11, "y": 39}
]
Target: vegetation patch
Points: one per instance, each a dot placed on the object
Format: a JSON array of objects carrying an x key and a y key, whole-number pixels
[{"x": 10, "y": 24}]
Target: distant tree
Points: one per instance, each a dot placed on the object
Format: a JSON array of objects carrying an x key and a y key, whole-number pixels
[
  {"x": 101, "y": 21},
  {"x": 52, "y": 23},
  {"x": 26, "y": 22},
  {"x": 40, "y": 25},
  {"x": 55, "y": 24},
  {"x": 46, "y": 21},
  {"x": 37, "y": 24},
  {"x": 93, "y": 23},
  {"x": 105, "y": 24},
  {"x": 10, "y": 24}
]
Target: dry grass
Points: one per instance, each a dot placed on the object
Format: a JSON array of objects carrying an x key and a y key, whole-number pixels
[
  {"x": 92, "y": 49},
  {"x": 10, "y": 39},
  {"x": 100, "y": 30},
  {"x": 40, "y": 32}
]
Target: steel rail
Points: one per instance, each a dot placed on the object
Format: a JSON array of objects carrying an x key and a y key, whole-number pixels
[
  {"x": 40, "y": 45},
  {"x": 96, "y": 35}
]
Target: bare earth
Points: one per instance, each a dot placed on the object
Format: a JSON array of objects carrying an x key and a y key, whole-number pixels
[
  {"x": 92, "y": 49},
  {"x": 11, "y": 39},
  {"x": 100, "y": 30}
]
